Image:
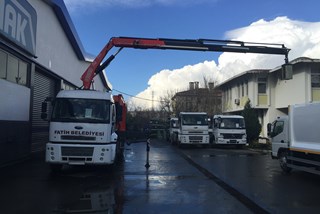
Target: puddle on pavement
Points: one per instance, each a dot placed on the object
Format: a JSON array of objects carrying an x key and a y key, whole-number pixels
[
  {"x": 227, "y": 155},
  {"x": 155, "y": 177},
  {"x": 93, "y": 201}
]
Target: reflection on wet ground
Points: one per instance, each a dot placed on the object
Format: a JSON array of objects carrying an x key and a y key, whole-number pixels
[
  {"x": 95, "y": 200},
  {"x": 178, "y": 181},
  {"x": 96, "y": 189},
  {"x": 170, "y": 185}
]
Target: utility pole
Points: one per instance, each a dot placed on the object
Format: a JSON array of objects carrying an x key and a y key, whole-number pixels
[{"x": 152, "y": 100}]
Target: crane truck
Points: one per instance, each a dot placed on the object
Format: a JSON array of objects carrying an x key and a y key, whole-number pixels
[
  {"x": 295, "y": 138},
  {"x": 83, "y": 138}
]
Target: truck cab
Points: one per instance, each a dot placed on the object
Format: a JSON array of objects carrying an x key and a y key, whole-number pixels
[
  {"x": 279, "y": 132},
  {"x": 174, "y": 130},
  {"x": 229, "y": 129},
  {"x": 193, "y": 128},
  {"x": 82, "y": 129}
]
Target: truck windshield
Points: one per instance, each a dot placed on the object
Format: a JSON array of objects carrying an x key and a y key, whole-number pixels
[
  {"x": 232, "y": 123},
  {"x": 81, "y": 110},
  {"x": 194, "y": 120}
]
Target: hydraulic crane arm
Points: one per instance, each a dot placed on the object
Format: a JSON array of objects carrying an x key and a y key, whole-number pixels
[{"x": 178, "y": 44}]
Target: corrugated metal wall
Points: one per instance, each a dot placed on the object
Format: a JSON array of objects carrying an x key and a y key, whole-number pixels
[{"x": 44, "y": 86}]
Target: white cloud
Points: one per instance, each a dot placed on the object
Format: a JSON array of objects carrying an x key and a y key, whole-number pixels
[
  {"x": 303, "y": 38},
  {"x": 176, "y": 80}
]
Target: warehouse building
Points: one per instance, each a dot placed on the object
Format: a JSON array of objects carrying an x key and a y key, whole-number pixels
[{"x": 40, "y": 54}]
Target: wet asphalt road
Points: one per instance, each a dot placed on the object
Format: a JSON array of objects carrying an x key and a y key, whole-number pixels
[{"x": 190, "y": 180}]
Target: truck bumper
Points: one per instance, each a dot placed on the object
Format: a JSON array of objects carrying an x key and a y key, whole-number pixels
[
  {"x": 231, "y": 141},
  {"x": 80, "y": 154},
  {"x": 194, "y": 139}
]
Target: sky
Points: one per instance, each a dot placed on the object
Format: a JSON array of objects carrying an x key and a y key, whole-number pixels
[{"x": 146, "y": 76}]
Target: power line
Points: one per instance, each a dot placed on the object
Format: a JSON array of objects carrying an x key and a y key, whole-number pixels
[{"x": 130, "y": 95}]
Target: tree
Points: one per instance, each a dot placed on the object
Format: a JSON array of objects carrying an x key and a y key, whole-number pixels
[
  {"x": 165, "y": 106},
  {"x": 253, "y": 126}
]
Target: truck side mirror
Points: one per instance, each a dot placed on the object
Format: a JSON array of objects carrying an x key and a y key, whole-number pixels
[
  {"x": 217, "y": 122},
  {"x": 269, "y": 129}
]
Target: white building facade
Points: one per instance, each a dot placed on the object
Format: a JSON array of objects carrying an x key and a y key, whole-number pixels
[
  {"x": 270, "y": 92},
  {"x": 40, "y": 54}
]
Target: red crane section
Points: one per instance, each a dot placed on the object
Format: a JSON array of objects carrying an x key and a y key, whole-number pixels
[
  {"x": 121, "y": 112},
  {"x": 178, "y": 44}
]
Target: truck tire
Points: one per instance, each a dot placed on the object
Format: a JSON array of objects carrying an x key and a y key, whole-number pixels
[{"x": 283, "y": 161}]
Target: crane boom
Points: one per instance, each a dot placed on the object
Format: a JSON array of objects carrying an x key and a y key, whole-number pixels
[{"x": 178, "y": 44}]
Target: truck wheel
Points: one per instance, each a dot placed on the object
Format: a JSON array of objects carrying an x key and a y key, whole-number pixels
[
  {"x": 171, "y": 141},
  {"x": 283, "y": 161},
  {"x": 119, "y": 152}
]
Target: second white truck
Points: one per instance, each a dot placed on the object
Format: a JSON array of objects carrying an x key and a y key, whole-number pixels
[
  {"x": 193, "y": 128},
  {"x": 296, "y": 138},
  {"x": 229, "y": 129}
]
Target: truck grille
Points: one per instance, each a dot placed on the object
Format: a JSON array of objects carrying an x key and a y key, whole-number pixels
[
  {"x": 76, "y": 151},
  {"x": 232, "y": 136},
  {"x": 195, "y": 139},
  {"x": 71, "y": 137},
  {"x": 195, "y": 132}
]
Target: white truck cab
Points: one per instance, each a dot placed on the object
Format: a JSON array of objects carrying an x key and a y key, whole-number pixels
[
  {"x": 193, "y": 128},
  {"x": 82, "y": 129},
  {"x": 174, "y": 130},
  {"x": 229, "y": 129}
]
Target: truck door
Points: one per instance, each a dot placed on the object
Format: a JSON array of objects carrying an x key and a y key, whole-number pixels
[{"x": 279, "y": 136}]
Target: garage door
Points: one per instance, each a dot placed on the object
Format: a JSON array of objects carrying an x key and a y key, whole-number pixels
[{"x": 44, "y": 86}]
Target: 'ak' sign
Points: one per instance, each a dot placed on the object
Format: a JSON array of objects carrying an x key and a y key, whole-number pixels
[{"x": 18, "y": 23}]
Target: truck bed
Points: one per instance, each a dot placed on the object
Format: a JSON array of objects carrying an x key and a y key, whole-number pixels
[{"x": 304, "y": 127}]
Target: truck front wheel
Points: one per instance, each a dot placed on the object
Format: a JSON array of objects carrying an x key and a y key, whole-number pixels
[{"x": 284, "y": 161}]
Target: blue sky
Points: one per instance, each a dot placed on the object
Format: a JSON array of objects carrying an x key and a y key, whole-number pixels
[{"x": 143, "y": 72}]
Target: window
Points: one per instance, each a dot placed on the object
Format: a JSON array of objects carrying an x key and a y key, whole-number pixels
[
  {"x": 3, "y": 65},
  {"x": 193, "y": 119},
  {"x": 13, "y": 69},
  {"x": 247, "y": 88},
  {"x": 277, "y": 128},
  {"x": 262, "y": 85},
  {"x": 232, "y": 123},
  {"x": 81, "y": 110},
  {"x": 67, "y": 86},
  {"x": 315, "y": 78},
  {"x": 23, "y": 72},
  {"x": 242, "y": 89}
]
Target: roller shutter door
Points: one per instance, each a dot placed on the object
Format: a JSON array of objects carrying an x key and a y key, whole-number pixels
[{"x": 44, "y": 86}]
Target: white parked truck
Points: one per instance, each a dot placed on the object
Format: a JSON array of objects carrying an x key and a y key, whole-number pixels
[
  {"x": 296, "y": 138},
  {"x": 82, "y": 129},
  {"x": 173, "y": 130},
  {"x": 193, "y": 128},
  {"x": 229, "y": 129}
]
